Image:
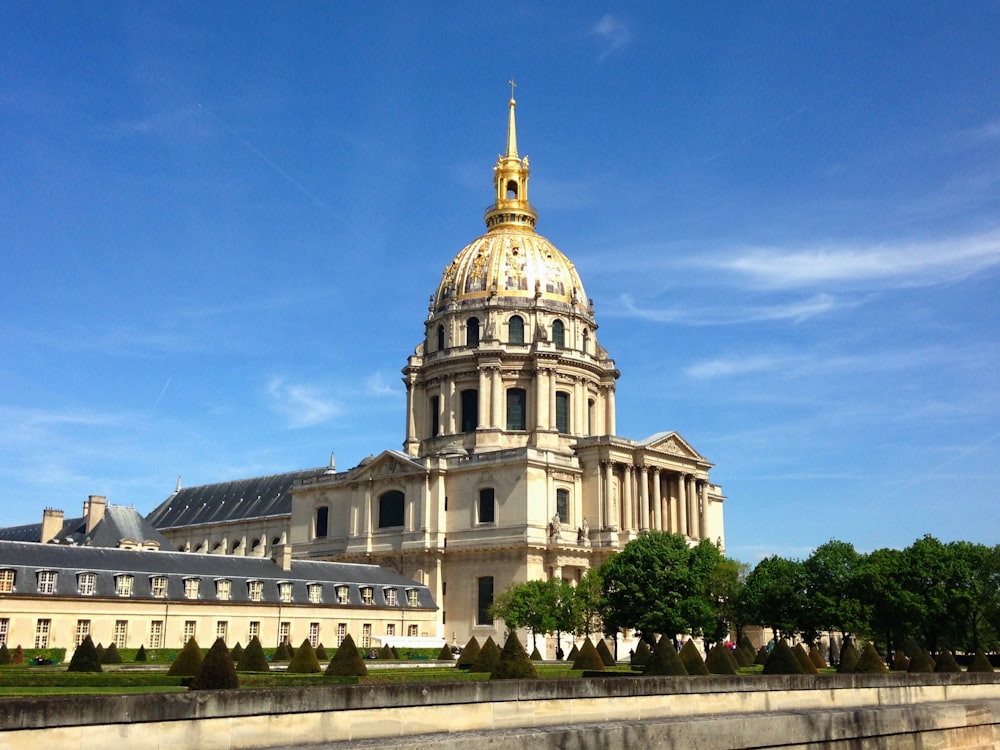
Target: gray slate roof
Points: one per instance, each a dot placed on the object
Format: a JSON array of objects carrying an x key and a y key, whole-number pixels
[
  {"x": 239, "y": 499},
  {"x": 119, "y": 522}
]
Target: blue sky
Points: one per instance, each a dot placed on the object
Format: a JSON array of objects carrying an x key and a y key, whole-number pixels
[{"x": 220, "y": 224}]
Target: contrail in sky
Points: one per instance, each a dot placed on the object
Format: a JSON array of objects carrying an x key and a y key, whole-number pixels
[{"x": 162, "y": 391}]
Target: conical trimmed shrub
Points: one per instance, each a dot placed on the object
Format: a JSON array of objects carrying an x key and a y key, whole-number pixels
[
  {"x": 513, "y": 663},
  {"x": 111, "y": 655},
  {"x": 663, "y": 660},
  {"x": 140, "y": 655},
  {"x": 588, "y": 658},
  {"x": 605, "y": 653},
  {"x": 900, "y": 662},
  {"x": 761, "y": 658},
  {"x": 321, "y": 653},
  {"x": 347, "y": 662},
  {"x": 4, "y": 654},
  {"x": 980, "y": 662},
  {"x": 641, "y": 656},
  {"x": 282, "y": 652},
  {"x": 217, "y": 670},
  {"x": 85, "y": 658},
  {"x": 100, "y": 651},
  {"x": 395, "y": 653},
  {"x": 488, "y": 657},
  {"x": 816, "y": 657},
  {"x": 691, "y": 658},
  {"x": 870, "y": 662},
  {"x": 254, "y": 659},
  {"x": 848, "y": 658},
  {"x": 469, "y": 654},
  {"x": 803, "y": 659},
  {"x": 911, "y": 648},
  {"x": 237, "y": 653},
  {"x": 782, "y": 660},
  {"x": 305, "y": 660},
  {"x": 946, "y": 662},
  {"x": 740, "y": 657},
  {"x": 18, "y": 656},
  {"x": 720, "y": 660},
  {"x": 747, "y": 645},
  {"x": 536, "y": 655},
  {"x": 188, "y": 661},
  {"x": 573, "y": 653},
  {"x": 445, "y": 653},
  {"x": 922, "y": 663},
  {"x": 385, "y": 653}
]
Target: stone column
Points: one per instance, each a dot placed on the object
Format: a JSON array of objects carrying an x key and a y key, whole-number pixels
[
  {"x": 411, "y": 422},
  {"x": 657, "y": 501},
  {"x": 692, "y": 496},
  {"x": 627, "y": 499},
  {"x": 579, "y": 426},
  {"x": 610, "y": 511},
  {"x": 496, "y": 397},
  {"x": 682, "y": 520},
  {"x": 703, "y": 499},
  {"x": 451, "y": 408},
  {"x": 541, "y": 400},
  {"x": 553, "y": 423},
  {"x": 609, "y": 427},
  {"x": 484, "y": 399},
  {"x": 643, "y": 499}
]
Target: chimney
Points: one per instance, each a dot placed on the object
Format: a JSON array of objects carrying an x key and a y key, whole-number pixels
[
  {"x": 52, "y": 523},
  {"x": 93, "y": 511},
  {"x": 282, "y": 555}
]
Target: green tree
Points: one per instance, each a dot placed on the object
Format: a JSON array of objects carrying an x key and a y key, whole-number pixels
[
  {"x": 532, "y": 605},
  {"x": 589, "y": 597},
  {"x": 973, "y": 594},
  {"x": 774, "y": 595},
  {"x": 831, "y": 573},
  {"x": 890, "y": 608}
]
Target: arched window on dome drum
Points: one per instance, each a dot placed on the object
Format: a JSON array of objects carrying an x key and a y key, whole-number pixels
[
  {"x": 470, "y": 410},
  {"x": 440, "y": 335},
  {"x": 390, "y": 509},
  {"x": 517, "y": 409},
  {"x": 512, "y": 189},
  {"x": 472, "y": 332},
  {"x": 590, "y": 416},
  {"x": 562, "y": 412},
  {"x": 515, "y": 330},
  {"x": 558, "y": 333}
]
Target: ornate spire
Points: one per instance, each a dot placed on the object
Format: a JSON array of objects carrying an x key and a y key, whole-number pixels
[{"x": 510, "y": 177}]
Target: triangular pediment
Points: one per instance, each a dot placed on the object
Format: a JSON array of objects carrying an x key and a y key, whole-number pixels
[
  {"x": 672, "y": 444},
  {"x": 386, "y": 464}
]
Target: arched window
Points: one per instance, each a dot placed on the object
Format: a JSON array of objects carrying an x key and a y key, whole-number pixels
[
  {"x": 517, "y": 410},
  {"x": 390, "y": 509},
  {"x": 558, "y": 333},
  {"x": 590, "y": 416},
  {"x": 515, "y": 330},
  {"x": 562, "y": 412},
  {"x": 472, "y": 332},
  {"x": 322, "y": 522},
  {"x": 487, "y": 506},
  {"x": 512, "y": 190},
  {"x": 440, "y": 335},
  {"x": 470, "y": 410}
]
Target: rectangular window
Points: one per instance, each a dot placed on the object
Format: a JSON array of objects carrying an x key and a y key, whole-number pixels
[
  {"x": 253, "y": 631},
  {"x": 285, "y": 591},
  {"x": 86, "y": 583},
  {"x": 413, "y": 597},
  {"x": 82, "y": 631},
  {"x": 322, "y": 522},
  {"x": 342, "y": 594},
  {"x": 341, "y": 632},
  {"x": 222, "y": 630},
  {"x": 390, "y": 629},
  {"x": 412, "y": 631},
  {"x": 366, "y": 635},
  {"x": 121, "y": 633},
  {"x": 158, "y": 587},
  {"x": 156, "y": 634},
  {"x": 562, "y": 505},
  {"x": 391, "y": 597},
  {"x": 192, "y": 588},
  {"x": 46, "y": 582},
  {"x": 256, "y": 590},
  {"x": 284, "y": 632},
  {"x": 190, "y": 630},
  {"x": 6, "y": 581},
  {"x": 315, "y": 593},
  {"x": 42, "y": 630},
  {"x": 223, "y": 590},
  {"x": 485, "y": 599},
  {"x": 123, "y": 585},
  {"x": 517, "y": 409},
  {"x": 562, "y": 412},
  {"x": 487, "y": 506},
  {"x": 4, "y": 630},
  {"x": 435, "y": 416},
  {"x": 470, "y": 410},
  {"x": 314, "y": 634},
  {"x": 366, "y": 595}
]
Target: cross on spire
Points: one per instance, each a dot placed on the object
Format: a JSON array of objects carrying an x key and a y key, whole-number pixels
[{"x": 512, "y": 86}]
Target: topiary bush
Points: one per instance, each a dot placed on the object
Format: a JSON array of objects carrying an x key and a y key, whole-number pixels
[
  {"x": 761, "y": 658},
  {"x": 782, "y": 660},
  {"x": 587, "y": 658},
  {"x": 923, "y": 662},
  {"x": 691, "y": 658},
  {"x": 100, "y": 651},
  {"x": 816, "y": 657},
  {"x": 488, "y": 657},
  {"x": 253, "y": 659},
  {"x": 188, "y": 661},
  {"x": 305, "y": 660},
  {"x": 445, "y": 653},
  {"x": 85, "y": 658},
  {"x": 347, "y": 662},
  {"x": 911, "y": 648},
  {"x": 946, "y": 662},
  {"x": 536, "y": 655},
  {"x": 663, "y": 660},
  {"x": 900, "y": 662},
  {"x": 720, "y": 660},
  {"x": 385, "y": 653},
  {"x": 740, "y": 657},
  {"x": 641, "y": 656},
  {"x": 513, "y": 663},
  {"x": 469, "y": 654},
  {"x": 18, "y": 656},
  {"x": 236, "y": 653},
  {"x": 140, "y": 655},
  {"x": 605, "y": 653},
  {"x": 799, "y": 652},
  {"x": 111, "y": 655},
  {"x": 848, "y": 658},
  {"x": 870, "y": 662},
  {"x": 573, "y": 653},
  {"x": 4, "y": 654},
  {"x": 282, "y": 652},
  {"x": 321, "y": 653},
  {"x": 980, "y": 662},
  {"x": 217, "y": 670}
]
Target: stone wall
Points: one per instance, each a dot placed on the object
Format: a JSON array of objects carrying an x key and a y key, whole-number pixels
[{"x": 844, "y": 711}]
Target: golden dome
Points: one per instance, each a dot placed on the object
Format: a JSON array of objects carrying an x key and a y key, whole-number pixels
[{"x": 510, "y": 261}]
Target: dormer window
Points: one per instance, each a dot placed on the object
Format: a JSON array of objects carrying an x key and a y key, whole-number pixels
[
  {"x": 315, "y": 593},
  {"x": 342, "y": 594},
  {"x": 366, "y": 595},
  {"x": 285, "y": 591},
  {"x": 192, "y": 588},
  {"x": 413, "y": 597},
  {"x": 223, "y": 589},
  {"x": 123, "y": 585},
  {"x": 391, "y": 597},
  {"x": 86, "y": 583},
  {"x": 47, "y": 582},
  {"x": 255, "y": 590},
  {"x": 158, "y": 587},
  {"x": 7, "y": 578}
]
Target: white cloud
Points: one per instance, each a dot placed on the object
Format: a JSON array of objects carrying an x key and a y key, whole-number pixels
[
  {"x": 301, "y": 405},
  {"x": 377, "y": 384},
  {"x": 796, "y": 310},
  {"x": 613, "y": 32}
]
